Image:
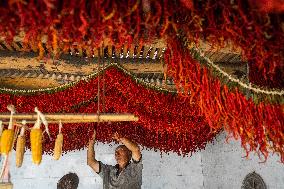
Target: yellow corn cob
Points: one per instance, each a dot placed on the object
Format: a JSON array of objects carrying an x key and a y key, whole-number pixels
[
  {"x": 58, "y": 146},
  {"x": 7, "y": 141},
  {"x": 36, "y": 145},
  {"x": 20, "y": 148},
  {"x": 7, "y": 137},
  {"x": 1, "y": 131}
]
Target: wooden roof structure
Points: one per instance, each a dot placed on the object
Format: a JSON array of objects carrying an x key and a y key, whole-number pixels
[{"x": 24, "y": 70}]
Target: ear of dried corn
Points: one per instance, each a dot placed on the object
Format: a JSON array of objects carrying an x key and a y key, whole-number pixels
[
  {"x": 7, "y": 141},
  {"x": 58, "y": 143},
  {"x": 36, "y": 145},
  {"x": 7, "y": 137},
  {"x": 1, "y": 131},
  {"x": 36, "y": 142},
  {"x": 20, "y": 148},
  {"x": 1, "y": 128},
  {"x": 58, "y": 146}
]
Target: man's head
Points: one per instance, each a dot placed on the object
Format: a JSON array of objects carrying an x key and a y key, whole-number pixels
[{"x": 122, "y": 155}]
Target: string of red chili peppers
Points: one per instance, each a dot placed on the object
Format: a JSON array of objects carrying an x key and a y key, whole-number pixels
[
  {"x": 166, "y": 121},
  {"x": 260, "y": 127}
]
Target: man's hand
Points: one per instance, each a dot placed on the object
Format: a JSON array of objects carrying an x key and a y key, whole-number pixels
[
  {"x": 93, "y": 139},
  {"x": 133, "y": 147},
  {"x": 116, "y": 137}
]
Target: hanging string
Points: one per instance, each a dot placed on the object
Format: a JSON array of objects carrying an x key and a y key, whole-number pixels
[
  {"x": 165, "y": 67},
  {"x": 103, "y": 72},
  {"x": 98, "y": 111}
]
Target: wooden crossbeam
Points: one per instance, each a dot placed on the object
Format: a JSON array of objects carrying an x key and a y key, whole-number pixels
[{"x": 71, "y": 118}]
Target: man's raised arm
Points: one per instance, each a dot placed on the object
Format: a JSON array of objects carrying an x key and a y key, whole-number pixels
[{"x": 91, "y": 160}]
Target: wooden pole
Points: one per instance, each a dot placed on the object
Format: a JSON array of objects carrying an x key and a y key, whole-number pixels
[{"x": 71, "y": 118}]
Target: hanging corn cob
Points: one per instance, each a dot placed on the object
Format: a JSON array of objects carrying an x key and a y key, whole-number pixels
[
  {"x": 36, "y": 140},
  {"x": 20, "y": 147},
  {"x": 36, "y": 137},
  {"x": 8, "y": 134},
  {"x": 58, "y": 144},
  {"x": 1, "y": 130}
]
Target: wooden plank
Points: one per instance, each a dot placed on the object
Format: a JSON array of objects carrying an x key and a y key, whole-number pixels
[
  {"x": 138, "y": 51},
  {"x": 142, "y": 67},
  {"x": 117, "y": 52},
  {"x": 89, "y": 52},
  {"x": 80, "y": 51},
  {"x": 96, "y": 52},
  {"x": 220, "y": 57},
  {"x": 1, "y": 48},
  {"x": 72, "y": 50},
  {"x": 9, "y": 47},
  {"x": 16, "y": 46},
  {"x": 226, "y": 57},
  {"x": 125, "y": 50},
  {"x": 153, "y": 50},
  {"x": 159, "y": 53},
  {"x": 146, "y": 50},
  {"x": 131, "y": 51},
  {"x": 109, "y": 51}
]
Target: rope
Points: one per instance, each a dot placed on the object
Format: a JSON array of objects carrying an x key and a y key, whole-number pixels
[
  {"x": 98, "y": 111},
  {"x": 247, "y": 86},
  {"x": 103, "y": 72}
]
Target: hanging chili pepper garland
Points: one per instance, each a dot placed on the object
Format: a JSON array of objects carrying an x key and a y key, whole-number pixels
[
  {"x": 179, "y": 125},
  {"x": 166, "y": 122},
  {"x": 260, "y": 127}
]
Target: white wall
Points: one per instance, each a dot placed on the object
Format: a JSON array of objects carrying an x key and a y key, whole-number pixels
[
  {"x": 224, "y": 168},
  {"x": 168, "y": 172},
  {"x": 219, "y": 166}
]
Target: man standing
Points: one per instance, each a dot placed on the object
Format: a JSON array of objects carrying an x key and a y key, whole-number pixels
[{"x": 127, "y": 173}]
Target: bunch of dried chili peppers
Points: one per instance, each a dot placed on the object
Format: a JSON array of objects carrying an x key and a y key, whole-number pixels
[{"x": 256, "y": 28}]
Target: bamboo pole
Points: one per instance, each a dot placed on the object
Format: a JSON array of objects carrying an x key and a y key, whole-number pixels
[{"x": 72, "y": 118}]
